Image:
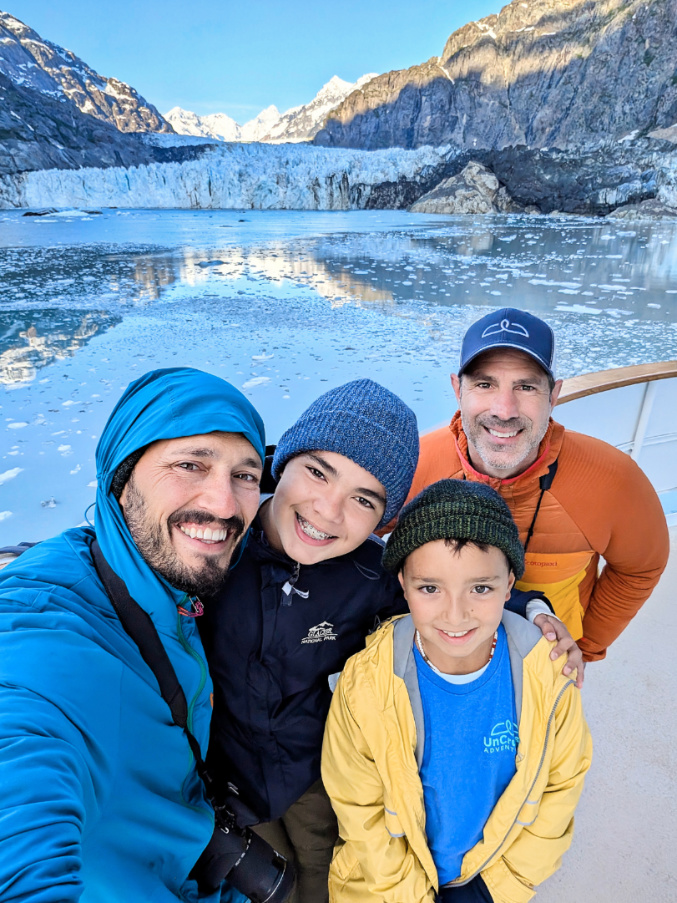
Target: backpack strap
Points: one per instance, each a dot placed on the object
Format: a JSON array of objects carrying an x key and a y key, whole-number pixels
[{"x": 139, "y": 625}]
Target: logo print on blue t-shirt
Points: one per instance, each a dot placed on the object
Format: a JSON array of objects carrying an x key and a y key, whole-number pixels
[{"x": 504, "y": 737}]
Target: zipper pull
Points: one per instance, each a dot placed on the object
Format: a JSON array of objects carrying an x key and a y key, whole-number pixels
[
  {"x": 198, "y": 608},
  {"x": 289, "y": 587}
]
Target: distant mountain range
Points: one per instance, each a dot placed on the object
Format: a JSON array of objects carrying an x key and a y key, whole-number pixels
[
  {"x": 296, "y": 124},
  {"x": 570, "y": 104}
]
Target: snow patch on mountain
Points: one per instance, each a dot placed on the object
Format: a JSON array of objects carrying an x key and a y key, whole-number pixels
[{"x": 270, "y": 126}]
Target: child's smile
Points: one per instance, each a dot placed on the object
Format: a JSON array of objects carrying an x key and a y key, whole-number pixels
[{"x": 456, "y": 598}]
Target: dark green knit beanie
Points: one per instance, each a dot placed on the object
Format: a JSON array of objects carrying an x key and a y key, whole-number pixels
[{"x": 455, "y": 509}]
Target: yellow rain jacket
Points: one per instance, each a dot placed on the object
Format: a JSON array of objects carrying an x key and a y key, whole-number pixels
[{"x": 373, "y": 746}]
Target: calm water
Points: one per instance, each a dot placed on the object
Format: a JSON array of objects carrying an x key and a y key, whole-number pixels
[{"x": 286, "y": 305}]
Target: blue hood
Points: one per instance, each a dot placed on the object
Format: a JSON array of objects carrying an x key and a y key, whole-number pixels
[{"x": 162, "y": 404}]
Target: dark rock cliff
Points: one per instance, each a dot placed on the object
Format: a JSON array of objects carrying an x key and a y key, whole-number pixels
[
  {"x": 31, "y": 62},
  {"x": 540, "y": 74}
]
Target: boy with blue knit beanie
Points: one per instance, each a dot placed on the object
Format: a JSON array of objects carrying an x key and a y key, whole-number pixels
[
  {"x": 307, "y": 589},
  {"x": 455, "y": 750}
]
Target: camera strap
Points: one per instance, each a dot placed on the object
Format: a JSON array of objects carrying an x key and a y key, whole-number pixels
[{"x": 138, "y": 624}]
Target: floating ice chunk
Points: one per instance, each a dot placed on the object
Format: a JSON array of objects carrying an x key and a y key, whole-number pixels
[
  {"x": 5, "y": 514},
  {"x": 17, "y": 425},
  {"x": 76, "y": 469},
  {"x": 68, "y": 403},
  {"x": 10, "y": 474},
  {"x": 49, "y": 503},
  {"x": 262, "y": 357},
  {"x": 577, "y": 309},
  {"x": 655, "y": 306},
  {"x": 543, "y": 281},
  {"x": 92, "y": 484},
  {"x": 568, "y": 291},
  {"x": 65, "y": 450},
  {"x": 256, "y": 381}
]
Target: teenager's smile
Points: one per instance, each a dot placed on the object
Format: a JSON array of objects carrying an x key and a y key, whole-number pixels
[
  {"x": 325, "y": 505},
  {"x": 310, "y": 533}
]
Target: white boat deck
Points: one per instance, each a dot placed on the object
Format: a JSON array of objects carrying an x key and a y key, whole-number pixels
[{"x": 626, "y": 824}]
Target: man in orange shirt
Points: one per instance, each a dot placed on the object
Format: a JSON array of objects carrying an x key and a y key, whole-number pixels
[{"x": 575, "y": 499}]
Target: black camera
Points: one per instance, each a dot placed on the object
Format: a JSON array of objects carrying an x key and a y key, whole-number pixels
[{"x": 235, "y": 852}]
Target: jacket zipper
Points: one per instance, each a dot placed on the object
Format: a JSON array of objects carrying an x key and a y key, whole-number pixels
[{"x": 458, "y": 883}]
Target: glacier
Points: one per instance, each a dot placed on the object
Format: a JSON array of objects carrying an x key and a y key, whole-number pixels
[{"x": 233, "y": 176}]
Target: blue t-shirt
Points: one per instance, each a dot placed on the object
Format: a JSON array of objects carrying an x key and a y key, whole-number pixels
[{"x": 469, "y": 754}]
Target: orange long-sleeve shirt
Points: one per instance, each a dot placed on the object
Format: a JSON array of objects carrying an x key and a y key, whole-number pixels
[{"x": 600, "y": 504}]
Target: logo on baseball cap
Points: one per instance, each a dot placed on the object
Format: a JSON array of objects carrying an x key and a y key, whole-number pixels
[{"x": 510, "y": 328}]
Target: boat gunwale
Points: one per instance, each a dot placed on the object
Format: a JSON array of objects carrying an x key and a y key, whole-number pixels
[{"x": 617, "y": 378}]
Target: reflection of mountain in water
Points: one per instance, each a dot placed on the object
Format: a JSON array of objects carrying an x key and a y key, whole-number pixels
[
  {"x": 30, "y": 340},
  {"x": 75, "y": 276},
  {"x": 562, "y": 266}
]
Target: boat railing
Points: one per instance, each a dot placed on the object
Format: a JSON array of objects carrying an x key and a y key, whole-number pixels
[{"x": 643, "y": 408}]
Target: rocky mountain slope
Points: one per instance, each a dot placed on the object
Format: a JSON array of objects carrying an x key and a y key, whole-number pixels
[
  {"x": 31, "y": 62},
  {"x": 541, "y": 74},
  {"x": 39, "y": 132},
  {"x": 58, "y": 113},
  {"x": 297, "y": 124}
]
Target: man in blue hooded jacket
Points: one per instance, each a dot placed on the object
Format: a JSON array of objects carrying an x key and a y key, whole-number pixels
[{"x": 101, "y": 800}]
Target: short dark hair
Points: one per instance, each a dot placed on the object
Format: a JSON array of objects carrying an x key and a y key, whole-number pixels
[{"x": 455, "y": 545}]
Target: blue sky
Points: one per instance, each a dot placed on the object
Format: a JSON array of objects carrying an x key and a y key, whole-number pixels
[{"x": 239, "y": 57}]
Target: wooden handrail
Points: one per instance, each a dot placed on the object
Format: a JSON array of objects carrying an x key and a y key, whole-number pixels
[{"x": 603, "y": 380}]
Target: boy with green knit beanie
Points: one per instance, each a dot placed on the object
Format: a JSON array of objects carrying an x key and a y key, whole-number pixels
[{"x": 455, "y": 749}]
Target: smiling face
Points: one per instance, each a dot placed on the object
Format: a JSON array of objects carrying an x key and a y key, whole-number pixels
[
  {"x": 505, "y": 403},
  {"x": 325, "y": 505},
  {"x": 187, "y": 504},
  {"x": 456, "y": 598}
]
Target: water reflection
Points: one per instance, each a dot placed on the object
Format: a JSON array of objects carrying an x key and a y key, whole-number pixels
[
  {"x": 31, "y": 340},
  {"x": 415, "y": 267}
]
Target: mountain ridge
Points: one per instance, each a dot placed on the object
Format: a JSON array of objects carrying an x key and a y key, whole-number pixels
[
  {"x": 300, "y": 123},
  {"x": 33, "y": 62},
  {"x": 547, "y": 73}
]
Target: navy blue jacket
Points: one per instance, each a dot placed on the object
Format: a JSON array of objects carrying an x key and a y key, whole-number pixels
[{"x": 270, "y": 653}]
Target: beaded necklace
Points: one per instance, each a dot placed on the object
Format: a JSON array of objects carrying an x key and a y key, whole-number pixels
[{"x": 419, "y": 644}]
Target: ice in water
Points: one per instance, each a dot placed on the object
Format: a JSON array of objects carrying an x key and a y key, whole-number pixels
[{"x": 285, "y": 305}]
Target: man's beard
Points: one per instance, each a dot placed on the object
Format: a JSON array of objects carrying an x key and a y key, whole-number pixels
[
  {"x": 495, "y": 456},
  {"x": 153, "y": 541}
]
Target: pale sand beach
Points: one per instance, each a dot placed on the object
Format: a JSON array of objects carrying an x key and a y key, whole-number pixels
[{"x": 626, "y": 824}]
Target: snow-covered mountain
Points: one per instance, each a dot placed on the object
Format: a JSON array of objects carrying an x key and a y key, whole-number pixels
[
  {"x": 257, "y": 129},
  {"x": 217, "y": 125},
  {"x": 270, "y": 126},
  {"x": 302, "y": 123},
  {"x": 31, "y": 62}
]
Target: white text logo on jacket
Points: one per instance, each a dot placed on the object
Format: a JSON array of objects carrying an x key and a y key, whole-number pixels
[{"x": 320, "y": 633}]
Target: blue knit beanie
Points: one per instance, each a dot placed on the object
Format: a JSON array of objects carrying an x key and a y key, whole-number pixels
[{"x": 368, "y": 424}]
